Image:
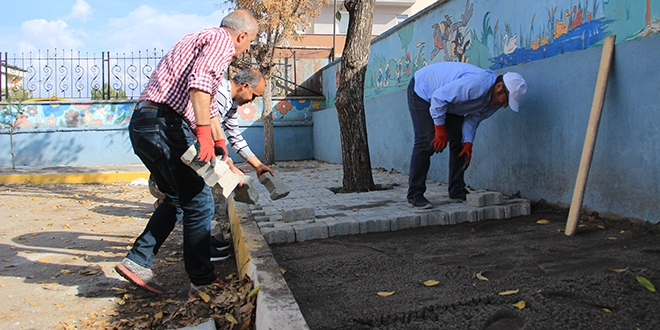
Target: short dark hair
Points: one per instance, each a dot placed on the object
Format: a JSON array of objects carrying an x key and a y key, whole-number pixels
[{"x": 251, "y": 76}]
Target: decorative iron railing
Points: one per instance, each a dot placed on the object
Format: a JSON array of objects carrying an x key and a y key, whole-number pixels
[
  {"x": 57, "y": 75},
  {"x": 74, "y": 75}
]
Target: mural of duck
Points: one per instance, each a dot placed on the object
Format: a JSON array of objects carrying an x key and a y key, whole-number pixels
[
  {"x": 510, "y": 45},
  {"x": 561, "y": 26},
  {"x": 576, "y": 19}
]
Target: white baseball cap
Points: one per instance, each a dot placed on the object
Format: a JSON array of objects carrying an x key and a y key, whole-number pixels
[{"x": 516, "y": 86}]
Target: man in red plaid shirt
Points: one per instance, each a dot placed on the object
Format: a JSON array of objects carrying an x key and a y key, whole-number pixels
[{"x": 173, "y": 113}]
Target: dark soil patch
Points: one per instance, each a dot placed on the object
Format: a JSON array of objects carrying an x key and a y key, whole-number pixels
[{"x": 587, "y": 281}]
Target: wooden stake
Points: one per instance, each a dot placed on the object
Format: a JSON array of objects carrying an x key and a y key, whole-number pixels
[{"x": 590, "y": 139}]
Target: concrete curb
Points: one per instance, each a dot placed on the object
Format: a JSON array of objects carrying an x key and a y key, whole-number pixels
[
  {"x": 276, "y": 307},
  {"x": 54, "y": 178}
]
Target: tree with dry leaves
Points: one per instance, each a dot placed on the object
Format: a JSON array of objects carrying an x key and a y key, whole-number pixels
[
  {"x": 278, "y": 20},
  {"x": 350, "y": 97}
]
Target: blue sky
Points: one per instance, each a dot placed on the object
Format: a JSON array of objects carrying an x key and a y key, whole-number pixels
[{"x": 94, "y": 26}]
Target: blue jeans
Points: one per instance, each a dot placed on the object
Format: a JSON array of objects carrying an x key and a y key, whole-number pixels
[
  {"x": 159, "y": 138},
  {"x": 420, "y": 160}
]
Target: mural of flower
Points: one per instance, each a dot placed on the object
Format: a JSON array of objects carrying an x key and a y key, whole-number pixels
[
  {"x": 301, "y": 104},
  {"x": 51, "y": 121},
  {"x": 283, "y": 106},
  {"x": 82, "y": 106},
  {"x": 316, "y": 105},
  {"x": 32, "y": 110},
  {"x": 72, "y": 118},
  {"x": 247, "y": 111},
  {"x": 22, "y": 121},
  {"x": 53, "y": 109}
]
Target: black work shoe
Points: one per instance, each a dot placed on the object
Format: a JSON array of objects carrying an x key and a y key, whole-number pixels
[
  {"x": 218, "y": 283},
  {"x": 462, "y": 195},
  {"x": 217, "y": 255},
  {"x": 420, "y": 203},
  {"x": 220, "y": 244}
]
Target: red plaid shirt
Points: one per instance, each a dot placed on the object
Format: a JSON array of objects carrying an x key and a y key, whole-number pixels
[{"x": 198, "y": 60}]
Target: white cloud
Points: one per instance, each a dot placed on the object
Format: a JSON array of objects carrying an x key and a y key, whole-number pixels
[
  {"x": 146, "y": 28},
  {"x": 39, "y": 34},
  {"x": 80, "y": 10}
]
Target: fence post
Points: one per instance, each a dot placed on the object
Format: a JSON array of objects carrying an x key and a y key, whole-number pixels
[{"x": 105, "y": 84}]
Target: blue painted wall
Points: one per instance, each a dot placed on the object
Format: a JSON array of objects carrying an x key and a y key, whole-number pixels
[
  {"x": 95, "y": 133},
  {"x": 537, "y": 151}
]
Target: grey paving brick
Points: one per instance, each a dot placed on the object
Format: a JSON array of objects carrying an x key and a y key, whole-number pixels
[
  {"x": 493, "y": 212},
  {"x": 310, "y": 231},
  {"x": 279, "y": 234},
  {"x": 433, "y": 218},
  {"x": 262, "y": 218},
  {"x": 275, "y": 185},
  {"x": 404, "y": 222},
  {"x": 479, "y": 199},
  {"x": 339, "y": 226},
  {"x": 246, "y": 192},
  {"x": 374, "y": 224},
  {"x": 302, "y": 213},
  {"x": 457, "y": 215}
]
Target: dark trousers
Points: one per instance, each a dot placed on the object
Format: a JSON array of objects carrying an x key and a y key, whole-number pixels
[
  {"x": 159, "y": 137},
  {"x": 420, "y": 160}
]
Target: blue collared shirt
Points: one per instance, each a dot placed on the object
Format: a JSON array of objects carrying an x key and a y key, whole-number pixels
[{"x": 457, "y": 88}]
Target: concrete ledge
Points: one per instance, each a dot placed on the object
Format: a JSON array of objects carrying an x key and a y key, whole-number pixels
[{"x": 276, "y": 307}]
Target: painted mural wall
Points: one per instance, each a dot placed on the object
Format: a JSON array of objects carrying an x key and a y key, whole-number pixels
[
  {"x": 496, "y": 35},
  {"x": 535, "y": 152},
  {"x": 73, "y": 133}
]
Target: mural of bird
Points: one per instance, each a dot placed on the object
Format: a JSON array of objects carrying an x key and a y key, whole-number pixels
[{"x": 561, "y": 25}]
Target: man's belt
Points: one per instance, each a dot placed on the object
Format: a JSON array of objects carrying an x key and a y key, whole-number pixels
[{"x": 147, "y": 104}]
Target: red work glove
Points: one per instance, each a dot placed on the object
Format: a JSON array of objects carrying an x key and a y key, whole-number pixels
[
  {"x": 205, "y": 139},
  {"x": 467, "y": 151},
  {"x": 440, "y": 140},
  {"x": 221, "y": 148}
]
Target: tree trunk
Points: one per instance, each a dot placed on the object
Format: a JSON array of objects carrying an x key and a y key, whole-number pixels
[
  {"x": 267, "y": 118},
  {"x": 350, "y": 97}
]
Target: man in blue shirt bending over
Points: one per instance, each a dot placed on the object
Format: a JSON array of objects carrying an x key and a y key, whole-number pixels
[{"x": 447, "y": 101}]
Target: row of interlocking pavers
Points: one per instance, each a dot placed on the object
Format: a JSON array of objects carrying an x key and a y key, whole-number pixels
[{"x": 312, "y": 210}]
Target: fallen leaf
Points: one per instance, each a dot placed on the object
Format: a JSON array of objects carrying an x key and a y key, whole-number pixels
[
  {"x": 612, "y": 238},
  {"x": 204, "y": 296},
  {"x": 607, "y": 310},
  {"x": 543, "y": 222},
  {"x": 44, "y": 259},
  {"x": 254, "y": 291},
  {"x": 646, "y": 283},
  {"x": 231, "y": 318},
  {"x": 430, "y": 282},
  {"x": 34, "y": 303},
  {"x": 385, "y": 294},
  {"x": 601, "y": 227},
  {"x": 481, "y": 277},
  {"x": 618, "y": 270},
  {"x": 508, "y": 293},
  {"x": 582, "y": 225},
  {"x": 91, "y": 315},
  {"x": 64, "y": 271},
  {"x": 520, "y": 304},
  {"x": 58, "y": 305},
  {"x": 158, "y": 315}
]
